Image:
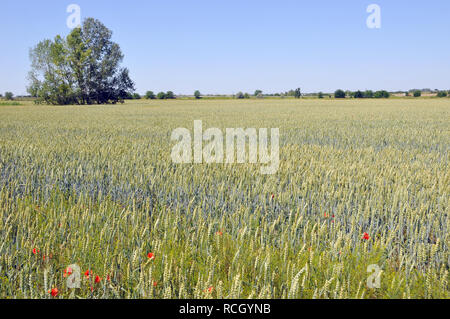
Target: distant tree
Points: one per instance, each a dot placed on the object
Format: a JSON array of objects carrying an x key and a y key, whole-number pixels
[
  {"x": 9, "y": 96},
  {"x": 298, "y": 93},
  {"x": 161, "y": 95},
  {"x": 417, "y": 93},
  {"x": 170, "y": 95},
  {"x": 83, "y": 68},
  {"x": 368, "y": 94},
  {"x": 260, "y": 96},
  {"x": 150, "y": 95},
  {"x": 1, "y": 95},
  {"x": 381, "y": 94},
  {"x": 246, "y": 96},
  {"x": 442, "y": 94},
  {"x": 240, "y": 95},
  {"x": 358, "y": 95},
  {"x": 257, "y": 92},
  {"x": 197, "y": 94},
  {"x": 136, "y": 96},
  {"x": 320, "y": 95},
  {"x": 339, "y": 94},
  {"x": 348, "y": 93}
]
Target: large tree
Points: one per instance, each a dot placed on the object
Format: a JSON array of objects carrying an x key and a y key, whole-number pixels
[
  {"x": 339, "y": 94},
  {"x": 83, "y": 68}
]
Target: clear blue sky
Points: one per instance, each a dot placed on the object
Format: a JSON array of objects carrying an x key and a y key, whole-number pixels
[{"x": 242, "y": 45}]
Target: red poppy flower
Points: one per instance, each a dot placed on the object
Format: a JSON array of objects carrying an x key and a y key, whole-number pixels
[
  {"x": 108, "y": 278},
  {"x": 35, "y": 251},
  {"x": 219, "y": 233},
  {"x": 151, "y": 256},
  {"x": 210, "y": 289},
  {"x": 155, "y": 283},
  {"x": 97, "y": 279},
  {"x": 54, "y": 292},
  {"x": 87, "y": 273},
  {"x": 366, "y": 236},
  {"x": 273, "y": 196}
]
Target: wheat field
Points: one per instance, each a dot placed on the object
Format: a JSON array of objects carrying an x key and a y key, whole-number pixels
[{"x": 360, "y": 183}]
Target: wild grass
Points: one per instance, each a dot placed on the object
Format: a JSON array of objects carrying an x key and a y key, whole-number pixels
[
  {"x": 11, "y": 103},
  {"x": 95, "y": 186}
]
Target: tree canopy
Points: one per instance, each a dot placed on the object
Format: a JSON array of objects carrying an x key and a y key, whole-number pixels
[
  {"x": 9, "y": 96},
  {"x": 83, "y": 68},
  {"x": 339, "y": 94},
  {"x": 150, "y": 95},
  {"x": 240, "y": 95}
]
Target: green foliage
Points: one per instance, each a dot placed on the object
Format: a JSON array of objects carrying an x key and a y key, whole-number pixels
[
  {"x": 442, "y": 94},
  {"x": 9, "y": 96},
  {"x": 83, "y": 68},
  {"x": 381, "y": 94},
  {"x": 298, "y": 93},
  {"x": 258, "y": 92},
  {"x": 136, "y": 96},
  {"x": 197, "y": 94},
  {"x": 358, "y": 95},
  {"x": 149, "y": 95},
  {"x": 161, "y": 96},
  {"x": 417, "y": 93},
  {"x": 320, "y": 95},
  {"x": 170, "y": 95},
  {"x": 10, "y": 104},
  {"x": 240, "y": 95},
  {"x": 368, "y": 94},
  {"x": 339, "y": 94}
]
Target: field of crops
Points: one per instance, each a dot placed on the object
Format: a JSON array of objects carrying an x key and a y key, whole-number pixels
[{"x": 360, "y": 183}]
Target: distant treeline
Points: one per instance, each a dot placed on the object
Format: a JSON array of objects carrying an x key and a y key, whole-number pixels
[{"x": 338, "y": 94}]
